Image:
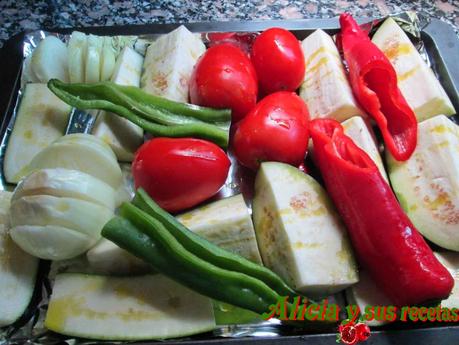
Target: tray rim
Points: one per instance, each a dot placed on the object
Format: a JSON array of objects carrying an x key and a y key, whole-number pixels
[{"x": 444, "y": 40}]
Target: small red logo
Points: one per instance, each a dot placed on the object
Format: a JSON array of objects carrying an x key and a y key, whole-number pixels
[{"x": 351, "y": 333}]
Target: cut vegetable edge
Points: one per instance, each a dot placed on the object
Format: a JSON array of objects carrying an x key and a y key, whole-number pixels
[
  {"x": 88, "y": 139},
  {"x": 74, "y": 214},
  {"x": 181, "y": 312},
  {"x": 427, "y": 185},
  {"x": 280, "y": 218},
  {"x": 49, "y": 60},
  {"x": 77, "y": 47},
  {"x": 93, "y": 58},
  {"x": 86, "y": 158},
  {"x": 18, "y": 271},
  {"x": 51, "y": 242},
  {"x": 68, "y": 183},
  {"x": 417, "y": 82}
]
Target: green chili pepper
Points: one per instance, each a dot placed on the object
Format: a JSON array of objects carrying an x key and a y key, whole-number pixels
[
  {"x": 168, "y": 256},
  {"x": 209, "y": 251},
  {"x": 156, "y": 115}
]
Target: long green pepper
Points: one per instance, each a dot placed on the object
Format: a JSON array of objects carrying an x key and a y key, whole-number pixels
[
  {"x": 209, "y": 251},
  {"x": 156, "y": 115},
  {"x": 169, "y": 257}
]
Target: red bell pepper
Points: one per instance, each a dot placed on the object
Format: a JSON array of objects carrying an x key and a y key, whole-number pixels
[
  {"x": 374, "y": 82},
  {"x": 386, "y": 243}
]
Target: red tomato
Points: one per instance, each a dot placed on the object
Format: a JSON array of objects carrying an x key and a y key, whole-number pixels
[
  {"x": 225, "y": 78},
  {"x": 219, "y": 36},
  {"x": 275, "y": 130},
  {"x": 279, "y": 61},
  {"x": 242, "y": 40},
  {"x": 180, "y": 173}
]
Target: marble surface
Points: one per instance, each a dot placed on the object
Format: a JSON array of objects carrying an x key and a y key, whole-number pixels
[{"x": 19, "y": 15}]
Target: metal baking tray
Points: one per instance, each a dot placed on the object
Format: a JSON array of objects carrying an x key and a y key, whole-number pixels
[{"x": 441, "y": 44}]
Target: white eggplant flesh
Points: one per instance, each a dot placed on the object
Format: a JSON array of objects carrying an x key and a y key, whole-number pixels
[
  {"x": 123, "y": 136},
  {"x": 126, "y": 308},
  {"x": 366, "y": 294},
  {"x": 325, "y": 88},
  {"x": 169, "y": 63},
  {"x": 300, "y": 235},
  {"x": 427, "y": 184},
  {"x": 417, "y": 82},
  {"x": 27, "y": 75},
  {"x": 107, "y": 258},
  {"x": 226, "y": 223},
  {"x": 362, "y": 135},
  {"x": 41, "y": 119},
  {"x": 18, "y": 271}
]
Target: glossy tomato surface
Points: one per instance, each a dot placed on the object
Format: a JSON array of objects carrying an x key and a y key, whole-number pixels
[
  {"x": 275, "y": 130},
  {"x": 180, "y": 173},
  {"x": 278, "y": 60},
  {"x": 224, "y": 77}
]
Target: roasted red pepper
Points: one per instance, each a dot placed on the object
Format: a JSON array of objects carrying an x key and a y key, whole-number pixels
[
  {"x": 386, "y": 243},
  {"x": 374, "y": 82}
]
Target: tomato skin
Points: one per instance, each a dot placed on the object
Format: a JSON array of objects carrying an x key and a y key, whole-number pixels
[
  {"x": 278, "y": 60},
  {"x": 224, "y": 77},
  {"x": 275, "y": 130},
  {"x": 180, "y": 173},
  {"x": 242, "y": 40}
]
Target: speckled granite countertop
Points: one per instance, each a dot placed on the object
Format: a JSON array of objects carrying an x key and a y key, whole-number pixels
[{"x": 18, "y": 15}]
